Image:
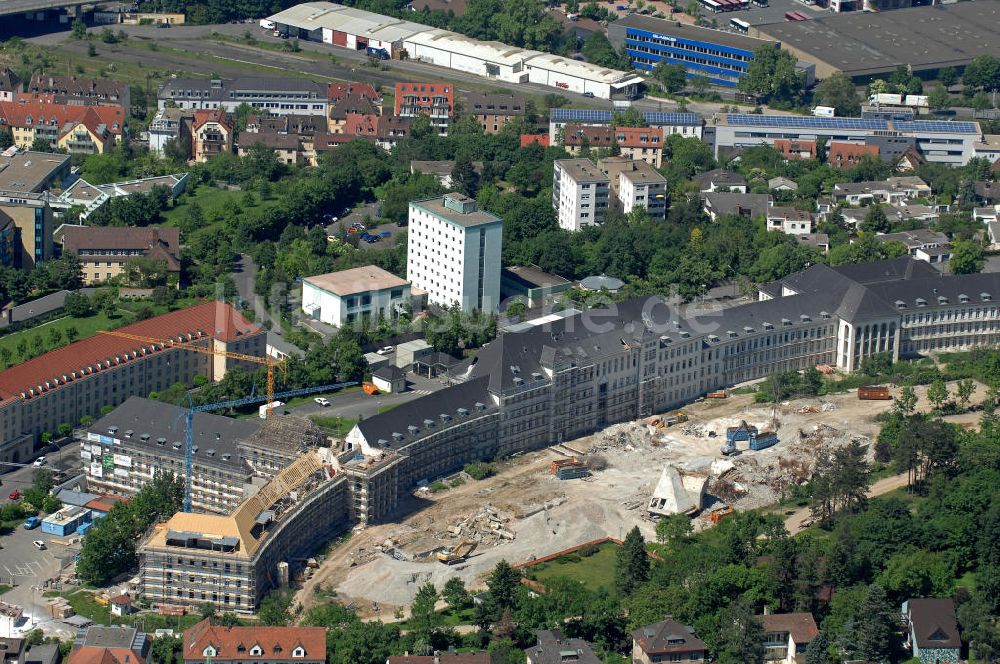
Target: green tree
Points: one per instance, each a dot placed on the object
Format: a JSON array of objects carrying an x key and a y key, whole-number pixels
[
  {"x": 741, "y": 635},
  {"x": 947, "y": 76},
  {"x": 906, "y": 402},
  {"x": 423, "y": 618},
  {"x": 876, "y": 221},
  {"x": 966, "y": 257},
  {"x": 938, "y": 98},
  {"x": 631, "y": 117},
  {"x": 673, "y": 529},
  {"x": 78, "y": 29},
  {"x": 455, "y": 594},
  {"x": 274, "y": 607},
  {"x": 505, "y": 651},
  {"x": 503, "y": 582},
  {"x": 771, "y": 75},
  {"x": 839, "y": 92},
  {"x": 464, "y": 178},
  {"x": 964, "y": 390},
  {"x": 875, "y": 627},
  {"x": 983, "y": 72},
  {"x": 673, "y": 77},
  {"x": 819, "y": 650},
  {"x": 981, "y": 102},
  {"x": 207, "y": 610},
  {"x": 937, "y": 393},
  {"x": 631, "y": 563}
]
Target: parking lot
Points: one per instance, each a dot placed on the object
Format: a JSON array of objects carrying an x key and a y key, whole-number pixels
[
  {"x": 366, "y": 214},
  {"x": 29, "y": 571}
]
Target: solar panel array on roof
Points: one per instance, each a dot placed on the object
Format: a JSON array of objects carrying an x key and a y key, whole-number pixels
[
  {"x": 937, "y": 126},
  {"x": 805, "y": 122},
  {"x": 602, "y": 116}
]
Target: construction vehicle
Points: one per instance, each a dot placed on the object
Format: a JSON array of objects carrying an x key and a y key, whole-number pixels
[
  {"x": 456, "y": 554},
  {"x": 369, "y": 388},
  {"x": 718, "y": 394},
  {"x": 873, "y": 393}
]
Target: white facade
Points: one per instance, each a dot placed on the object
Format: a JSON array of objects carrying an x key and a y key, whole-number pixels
[
  {"x": 163, "y": 128},
  {"x": 643, "y": 187},
  {"x": 453, "y": 252},
  {"x": 343, "y": 297},
  {"x": 580, "y": 193},
  {"x": 789, "y": 221}
]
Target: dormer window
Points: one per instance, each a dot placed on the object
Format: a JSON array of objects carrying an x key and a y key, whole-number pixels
[
  {"x": 256, "y": 651},
  {"x": 921, "y": 302},
  {"x": 730, "y": 334},
  {"x": 768, "y": 326},
  {"x": 785, "y": 321},
  {"x": 900, "y": 304},
  {"x": 985, "y": 297},
  {"x": 963, "y": 298},
  {"x": 210, "y": 651},
  {"x": 942, "y": 299},
  {"x": 299, "y": 652}
]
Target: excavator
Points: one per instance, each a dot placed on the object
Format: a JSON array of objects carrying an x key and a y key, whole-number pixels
[{"x": 456, "y": 554}]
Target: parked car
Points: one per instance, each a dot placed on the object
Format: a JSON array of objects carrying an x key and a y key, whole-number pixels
[
  {"x": 14, "y": 495},
  {"x": 385, "y": 234},
  {"x": 588, "y": 94},
  {"x": 39, "y": 544},
  {"x": 372, "y": 238},
  {"x": 323, "y": 401},
  {"x": 386, "y": 350},
  {"x": 39, "y": 462},
  {"x": 32, "y": 522}
]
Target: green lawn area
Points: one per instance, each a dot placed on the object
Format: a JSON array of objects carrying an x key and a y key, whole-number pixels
[
  {"x": 594, "y": 571},
  {"x": 214, "y": 203},
  {"x": 339, "y": 425},
  {"x": 85, "y": 327},
  {"x": 85, "y": 604},
  {"x": 5, "y": 588}
]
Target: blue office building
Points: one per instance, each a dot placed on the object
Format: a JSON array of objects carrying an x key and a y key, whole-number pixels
[{"x": 720, "y": 56}]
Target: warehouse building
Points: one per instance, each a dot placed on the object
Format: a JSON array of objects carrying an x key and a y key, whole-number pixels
[
  {"x": 722, "y": 57},
  {"x": 387, "y": 37},
  {"x": 65, "y": 384},
  {"x": 944, "y": 142},
  {"x": 868, "y": 45}
]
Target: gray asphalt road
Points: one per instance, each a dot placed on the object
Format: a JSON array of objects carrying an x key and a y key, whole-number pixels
[
  {"x": 64, "y": 463},
  {"x": 354, "y": 404}
]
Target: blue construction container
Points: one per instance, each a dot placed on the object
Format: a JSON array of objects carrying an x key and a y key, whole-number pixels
[
  {"x": 743, "y": 432},
  {"x": 83, "y": 528},
  {"x": 572, "y": 472},
  {"x": 763, "y": 441}
]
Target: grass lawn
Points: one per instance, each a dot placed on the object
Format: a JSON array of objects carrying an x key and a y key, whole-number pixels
[
  {"x": 85, "y": 604},
  {"x": 5, "y": 588},
  {"x": 594, "y": 571},
  {"x": 339, "y": 425},
  {"x": 85, "y": 327},
  {"x": 213, "y": 202}
]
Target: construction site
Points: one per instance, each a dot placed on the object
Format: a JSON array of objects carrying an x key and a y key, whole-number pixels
[{"x": 719, "y": 455}]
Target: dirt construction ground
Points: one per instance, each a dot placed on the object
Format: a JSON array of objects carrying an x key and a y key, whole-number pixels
[{"x": 524, "y": 512}]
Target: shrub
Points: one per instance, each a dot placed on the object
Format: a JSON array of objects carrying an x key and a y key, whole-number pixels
[{"x": 480, "y": 470}]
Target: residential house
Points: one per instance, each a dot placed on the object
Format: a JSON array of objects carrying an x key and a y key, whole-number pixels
[
  {"x": 645, "y": 143},
  {"x": 81, "y": 91},
  {"x": 206, "y": 642},
  {"x": 43, "y": 653},
  {"x": 993, "y": 233},
  {"x": 10, "y": 85},
  {"x": 988, "y": 192},
  {"x": 493, "y": 111},
  {"x": 819, "y": 241},
  {"x": 337, "y": 91},
  {"x": 351, "y": 104},
  {"x": 667, "y": 641},
  {"x": 169, "y": 125},
  {"x": 528, "y": 139},
  {"x": 211, "y": 134},
  {"x": 790, "y": 149},
  {"x": 287, "y": 147},
  {"x": 893, "y": 191},
  {"x": 924, "y": 213},
  {"x": 295, "y": 124},
  {"x": 85, "y": 129},
  {"x": 110, "y": 645},
  {"x": 782, "y": 184},
  {"x": 847, "y": 155},
  {"x": 787, "y": 636},
  {"x": 442, "y": 169},
  {"x": 720, "y": 180},
  {"x": 932, "y": 631},
  {"x": 360, "y": 125},
  {"x": 986, "y": 214},
  {"x": 579, "y": 193},
  {"x": 923, "y": 244},
  {"x": 89, "y": 197},
  {"x": 11, "y": 649},
  {"x": 391, "y": 130},
  {"x": 435, "y": 100},
  {"x": 910, "y": 160},
  {"x": 104, "y": 251},
  {"x": 554, "y": 648},
  {"x": 642, "y": 186},
  {"x": 790, "y": 221},
  {"x": 749, "y": 206}
]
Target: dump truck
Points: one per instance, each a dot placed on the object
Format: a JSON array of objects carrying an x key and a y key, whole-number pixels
[
  {"x": 763, "y": 440},
  {"x": 456, "y": 554},
  {"x": 718, "y": 394},
  {"x": 874, "y": 393}
]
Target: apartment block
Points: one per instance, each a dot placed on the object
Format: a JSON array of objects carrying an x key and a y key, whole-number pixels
[
  {"x": 77, "y": 129},
  {"x": 435, "y": 100},
  {"x": 453, "y": 252},
  {"x": 81, "y": 91},
  {"x": 105, "y": 251},
  {"x": 645, "y": 143},
  {"x": 642, "y": 186},
  {"x": 65, "y": 384},
  {"x": 32, "y": 217},
  {"x": 212, "y": 133},
  {"x": 493, "y": 111},
  {"x": 580, "y": 193}
]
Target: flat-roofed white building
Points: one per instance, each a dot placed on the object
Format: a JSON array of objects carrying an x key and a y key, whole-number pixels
[
  {"x": 455, "y": 51},
  {"x": 361, "y": 292},
  {"x": 453, "y": 252},
  {"x": 581, "y": 77},
  {"x": 641, "y": 185},
  {"x": 348, "y": 27}
]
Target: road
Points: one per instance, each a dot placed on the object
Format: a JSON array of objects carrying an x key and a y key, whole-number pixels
[
  {"x": 356, "y": 405},
  {"x": 797, "y": 520},
  {"x": 64, "y": 462}
]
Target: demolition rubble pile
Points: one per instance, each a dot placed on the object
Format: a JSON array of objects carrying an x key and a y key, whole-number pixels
[{"x": 756, "y": 480}]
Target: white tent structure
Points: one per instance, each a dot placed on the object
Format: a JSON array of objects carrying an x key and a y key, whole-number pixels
[{"x": 673, "y": 495}]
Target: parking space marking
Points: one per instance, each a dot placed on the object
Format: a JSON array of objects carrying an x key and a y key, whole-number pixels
[{"x": 32, "y": 568}]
